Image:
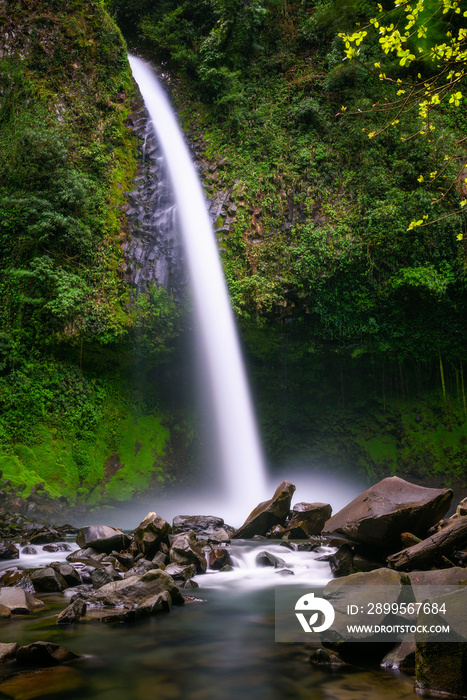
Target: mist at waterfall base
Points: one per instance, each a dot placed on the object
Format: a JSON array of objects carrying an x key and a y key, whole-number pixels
[{"x": 230, "y": 434}]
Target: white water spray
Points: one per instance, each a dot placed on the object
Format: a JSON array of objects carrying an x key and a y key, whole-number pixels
[{"x": 241, "y": 456}]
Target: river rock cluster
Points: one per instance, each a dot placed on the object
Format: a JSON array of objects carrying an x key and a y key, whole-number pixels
[{"x": 394, "y": 534}]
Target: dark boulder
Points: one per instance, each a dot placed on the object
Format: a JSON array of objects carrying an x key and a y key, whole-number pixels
[
  {"x": 68, "y": 572},
  {"x": 267, "y": 559},
  {"x": 307, "y": 519},
  {"x": 106, "y": 574},
  {"x": 268, "y": 513},
  {"x": 341, "y": 562},
  {"x": 185, "y": 550},
  {"x": 440, "y": 669},
  {"x": 219, "y": 557},
  {"x": 102, "y": 538},
  {"x": 48, "y": 580},
  {"x": 8, "y": 551},
  {"x": 45, "y": 535},
  {"x": 44, "y": 654},
  {"x": 206, "y": 527},
  {"x": 382, "y": 513},
  {"x": 141, "y": 567},
  {"x": 29, "y": 550},
  {"x": 179, "y": 572},
  {"x": 62, "y": 547},
  {"x": 73, "y": 613},
  {"x": 126, "y": 560},
  {"x": 151, "y": 533}
]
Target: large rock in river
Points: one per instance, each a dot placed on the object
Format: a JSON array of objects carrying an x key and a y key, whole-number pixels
[
  {"x": 382, "y": 513},
  {"x": 102, "y": 538},
  {"x": 19, "y": 602},
  {"x": 308, "y": 519},
  {"x": 151, "y": 533},
  {"x": 134, "y": 597},
  {"x": 268, "y": 513}
]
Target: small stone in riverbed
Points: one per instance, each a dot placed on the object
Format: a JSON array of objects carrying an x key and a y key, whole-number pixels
[
  {"x": 189, "y": 584},
  {"x": 267, "y": 559},
  {"x": 324, "y": 657},
  {"x": 62, "y": 547},
  {"x": 72, "y": 613},
  {"x": 44, "y": 654},
  {"x": 285, "y": 572},
  {"x": 7, "y": 651},
  {"x": 308, "y": 546},
  {"x": 29, "y": 550}
]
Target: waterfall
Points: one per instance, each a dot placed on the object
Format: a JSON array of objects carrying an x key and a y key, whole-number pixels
[{"x": 242, "y": 465}]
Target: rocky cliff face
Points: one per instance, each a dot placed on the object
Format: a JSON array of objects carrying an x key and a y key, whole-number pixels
[{"x": 153, "y": 250}]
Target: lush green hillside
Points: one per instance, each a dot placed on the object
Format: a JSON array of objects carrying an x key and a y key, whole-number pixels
[{"x": 70, "y": 340}]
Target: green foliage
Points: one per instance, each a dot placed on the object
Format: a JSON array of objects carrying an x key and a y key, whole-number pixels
[
  {"x": 431, "y": 35},
  {"x": 319, "y": 236},
  {"x": 156, "y": 322}
]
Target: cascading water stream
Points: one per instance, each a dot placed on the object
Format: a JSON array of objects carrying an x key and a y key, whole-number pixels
[{"x": 241, "y": 454}]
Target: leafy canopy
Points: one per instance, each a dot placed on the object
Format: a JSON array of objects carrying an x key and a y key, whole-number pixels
[{"x": 428, "y": 35}]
